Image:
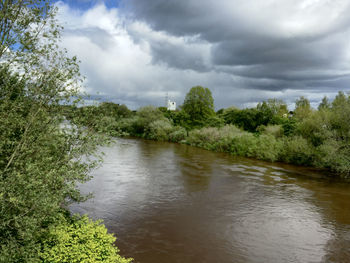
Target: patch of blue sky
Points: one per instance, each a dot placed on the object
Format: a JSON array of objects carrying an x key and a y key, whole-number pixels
[{"x": 87, "y": 4}]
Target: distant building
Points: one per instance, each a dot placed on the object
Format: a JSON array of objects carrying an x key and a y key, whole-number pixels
[{"x": 171, "y": 105}]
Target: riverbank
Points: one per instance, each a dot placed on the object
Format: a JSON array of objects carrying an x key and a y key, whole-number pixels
[
  {"x": 317, "y": 138},
  {"x": 265, "y": 147}
]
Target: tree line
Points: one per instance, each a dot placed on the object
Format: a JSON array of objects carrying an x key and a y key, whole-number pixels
[{"x": 270, "y": 131}]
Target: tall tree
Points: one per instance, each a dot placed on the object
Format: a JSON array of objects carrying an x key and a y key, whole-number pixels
[{"x": 199, "y": 105}]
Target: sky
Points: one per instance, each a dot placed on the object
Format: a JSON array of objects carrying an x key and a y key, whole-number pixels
[{"x": 135, "y": 52}]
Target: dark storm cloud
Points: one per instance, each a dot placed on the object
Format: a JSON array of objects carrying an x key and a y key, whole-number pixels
[
  {"x": 219, "y": 20},
  {"x": 244, "y": 51},
  {"x": 286, "y": 44},
  {"x": 174, "y": 52},
  {"x": 184, "y": 17},
  {"x": 177, "y": 57}
]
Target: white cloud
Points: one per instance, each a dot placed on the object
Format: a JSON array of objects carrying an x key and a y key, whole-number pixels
[{"x": 127, "y": 61}]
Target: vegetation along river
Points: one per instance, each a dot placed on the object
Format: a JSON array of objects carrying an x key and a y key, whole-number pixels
[{"x": 175, "y": 203}]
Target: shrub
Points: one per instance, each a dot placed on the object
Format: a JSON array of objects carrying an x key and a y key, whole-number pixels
[
  {"x": 159, "y": 130},
  {"x": 81, "y": 240},
  {"x": 274, "y": 130},
  {"x": 212, "y": 138},
  {"x": 263, "y": 147},
  {"x": 297, "y": 150},
  {"x": 178, "y": 134},
  {"x": 334, "y": 155},
  {"x": 244, "y": 145},
  {"x": 268, "y": 148}
]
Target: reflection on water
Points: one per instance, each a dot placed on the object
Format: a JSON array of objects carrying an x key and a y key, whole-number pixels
[{"x": 175, "y": 203}]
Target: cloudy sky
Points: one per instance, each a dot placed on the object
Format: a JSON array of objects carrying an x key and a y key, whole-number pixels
[{"x": 134, "y": 52}]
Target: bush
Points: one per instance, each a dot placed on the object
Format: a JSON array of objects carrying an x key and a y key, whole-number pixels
[
  {"x": 264, "y": 147},
  {"x": 159, "y": 130},
  {"x": 211, "y": 138},
  {"x": 274, "y": 130},
  {"x": 81, "y": 240},
  {"x": 268, "y": 148},
  {"x": 178, "y": 134},
  {"x": 297, "y": 150},
  {"x": 334, "y": 155}
]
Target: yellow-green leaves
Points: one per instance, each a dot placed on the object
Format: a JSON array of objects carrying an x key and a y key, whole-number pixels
[{"x": 81, "y": 241}]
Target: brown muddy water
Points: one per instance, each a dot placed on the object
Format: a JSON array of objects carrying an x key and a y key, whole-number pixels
[{"x": 172, "y": 203}]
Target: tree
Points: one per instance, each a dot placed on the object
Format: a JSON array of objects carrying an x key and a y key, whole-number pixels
[
  {"x": 199, "y": 105},
  {"x": 302, "y": 108},
  {"x": 340, "y": 117},
  {"x": 41, "y": 160},
  {"x": 340, "y": 100},
  {"x": 22, "y": 23},
  {"x": 325, "y": 104},
  {"x": 273, "y": 107}
]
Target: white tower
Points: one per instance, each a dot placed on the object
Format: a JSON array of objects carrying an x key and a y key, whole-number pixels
[{"x": 171, "y": 105}]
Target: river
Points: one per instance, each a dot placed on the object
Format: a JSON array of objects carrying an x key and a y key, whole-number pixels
[{"x": 172, "y": 203}]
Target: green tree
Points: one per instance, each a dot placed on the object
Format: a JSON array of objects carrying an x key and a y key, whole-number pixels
[
  {"x": 199, "y": 105},
  {"x": 273, "y": 107},
  {"x": 340, "y": 117},
  {"x": 302, "y": 108},
  {"x": 22, "y": 25},
  {"x": 340, "y": 100},
  {"x": 41, "y": 154},
  {"x": 325, "y": 104}
]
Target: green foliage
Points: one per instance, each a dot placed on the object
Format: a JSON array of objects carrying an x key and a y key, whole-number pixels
[
  {"x": 214, "y": 121},
  {"x": 80, "y": 240},
  {"x": 103, "y": 118},
  {"x": 235, "y": 141},
  {"x": 178, "y": 134},
  {"x": 271, "y": 109},
  {"x": 274, "y": 130},
  {"x": 181, "y": 118},
  {"x": 114, "y": 110},
  {"x": 289, "y": 126},
  {"x": 144, "y": 117},
  {"x": 23, "y": 26},
  {"x": 264, "y": 147},
  {"x": 266, "y": 113},
  {"x": 310, "y": 137},
  {"x": 212, "y": 138},
  {"x": 159, "y": 130},
  {"x": 298, "y": 151},
  {"x": 199, "y": 105},
  {"x": 314, "y": 127},
  {"x": 302, "y": 108},
  {"x": 340, "y": 100},
  {"x": 334, "y": 155},
  {"x": 40, "y": 162},
  {"x": 247, "y": 119},
  {"x": 340, "y": 117},
  {"x": 325, "y": 104},
  {"x": 42, "y": 155}
]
